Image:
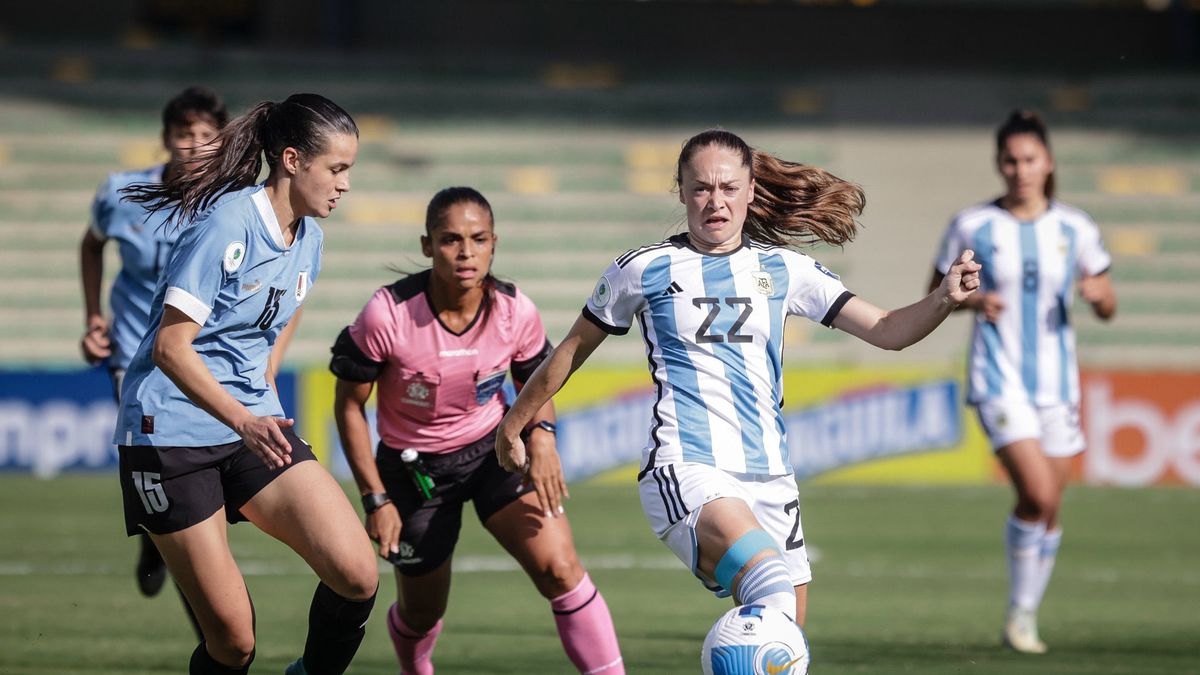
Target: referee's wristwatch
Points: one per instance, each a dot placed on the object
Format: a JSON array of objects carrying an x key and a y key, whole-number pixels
[
  {"x": 545, "y": 425},
  {"x": 372, "y": 502}
]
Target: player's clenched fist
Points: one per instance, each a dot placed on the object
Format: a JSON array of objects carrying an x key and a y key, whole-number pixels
[{"x": 962, "y": 280}]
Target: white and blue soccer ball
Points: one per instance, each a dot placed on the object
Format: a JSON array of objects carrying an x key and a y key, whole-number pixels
[{"x": 755, "y": 640}]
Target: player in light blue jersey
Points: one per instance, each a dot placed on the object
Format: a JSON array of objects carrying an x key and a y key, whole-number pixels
[
  {"x": 202, "y": 436},
  {"x": 716, "y": 482},
  {"x": 190, "y": 122},
  {"x": 1022, "y": 374}
]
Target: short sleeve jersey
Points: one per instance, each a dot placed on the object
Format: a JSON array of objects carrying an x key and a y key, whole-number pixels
[
  {"x": 1029, "y": 353},
  {"x": 232, "y": 273},
  {"x": 440, "y": 390},
  {"x": 713, "y": 327},
  {"x": 144, "y": 241}
]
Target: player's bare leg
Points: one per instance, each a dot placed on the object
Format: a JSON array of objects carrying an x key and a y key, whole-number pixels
[
  {"x": 732, "y": 544},
  {"x": 202, "y": 565},
  {"x": 545, "y": 549},
  {"x": 307, "y": 510},
  {"x": 1038, "y": 486}
]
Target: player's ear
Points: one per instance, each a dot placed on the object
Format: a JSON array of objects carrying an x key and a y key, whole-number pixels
[
  {"x": 753, "y": 185},
  {"x": 426, "y": 246},
  {"x": 289, "y": 159}
]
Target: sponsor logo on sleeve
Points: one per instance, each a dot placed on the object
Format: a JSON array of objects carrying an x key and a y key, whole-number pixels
[
  {"x": 603, "y": 293},
  {"x": 825, "y": 270},
  {"x": 235, "y": 255}
]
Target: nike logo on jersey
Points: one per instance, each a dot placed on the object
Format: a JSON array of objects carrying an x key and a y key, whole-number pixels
[
  {"x": 673, "y": 289},
  {"x": 250, "y": 288}
]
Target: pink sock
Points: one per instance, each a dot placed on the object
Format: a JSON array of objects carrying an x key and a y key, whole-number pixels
[
  {"x": 413, "y": 650},
  {"x": 586, "y": 630}
]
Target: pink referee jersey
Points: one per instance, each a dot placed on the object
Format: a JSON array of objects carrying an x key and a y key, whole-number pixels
[{"x": 439, "y": 390}]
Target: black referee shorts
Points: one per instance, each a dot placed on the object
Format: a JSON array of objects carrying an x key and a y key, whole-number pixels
[{"x": 430, "y": 526}]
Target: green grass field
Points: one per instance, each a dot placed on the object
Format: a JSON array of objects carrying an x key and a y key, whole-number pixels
[{"x": 908, "y": 580}]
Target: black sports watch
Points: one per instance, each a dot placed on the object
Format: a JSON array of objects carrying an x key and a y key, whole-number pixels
[
  {"x": 372, "y": 502},
  {"x": 546, "y": 425}
]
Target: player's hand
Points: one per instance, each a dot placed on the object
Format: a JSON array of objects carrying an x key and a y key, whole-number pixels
[
  {"x": 383, "y": 527},
  {"x": 991, "y": 305},
  {"x": 962, "y": 280},
  {"x": 1093, "y": 289},
  {"x": 264, "y": 437},
  {"x": 95, "y": 343},
  {"x": 510, "y": 450},
  {"x": 545, "y": 473}
]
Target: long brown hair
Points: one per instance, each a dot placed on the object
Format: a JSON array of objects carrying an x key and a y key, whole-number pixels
[
  {"x": 794, "y": 204},
  {"x": 1025, "y": 122},
  {"x": 303, "y": 122}
]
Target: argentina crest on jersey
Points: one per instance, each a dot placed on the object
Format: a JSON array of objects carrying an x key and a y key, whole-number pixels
[{"x": 763, "y": 282}]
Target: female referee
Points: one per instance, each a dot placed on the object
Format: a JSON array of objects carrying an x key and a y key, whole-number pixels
[
  {"x": 1022, "y": 375},
  {"x": 438, "y": 343},
  {"x": 716, "y": 483},
  {"x": 190, "y": 122},
  {"x": 201, "y": 433}
]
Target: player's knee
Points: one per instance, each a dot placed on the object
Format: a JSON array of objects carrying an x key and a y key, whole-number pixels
[
  {"x": 234, "y": 648},
  {"x": 560, "y": 574},
  {"x": 1039, "y": 504},
  {"x": 421, "y": 619},
  {"x": 356, "y": 579},
  {"x": 750, "y": 549}
]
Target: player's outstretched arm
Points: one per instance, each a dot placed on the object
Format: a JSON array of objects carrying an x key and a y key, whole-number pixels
[
  {"x": 545, "y": 382},
  {"x": 906, "y": 326},
  {"x": 349, "y": 411},
  {"x": 174, "y": 355}
]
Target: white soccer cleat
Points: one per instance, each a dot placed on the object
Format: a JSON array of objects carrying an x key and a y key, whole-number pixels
[{"x": 1021, "y": 632}]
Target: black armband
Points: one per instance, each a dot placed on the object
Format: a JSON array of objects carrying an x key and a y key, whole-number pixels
[
  {"x": 523, "y": 370},
  {"x": 349, "y": 363}
]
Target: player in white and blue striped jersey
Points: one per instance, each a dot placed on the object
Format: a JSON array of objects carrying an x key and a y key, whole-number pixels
[
  {"x": 201, "y": 434},
  {"x": 716, "y": 482},
  {"x": 191, "y": 121},
  {"x": 1022, "y": 374}
]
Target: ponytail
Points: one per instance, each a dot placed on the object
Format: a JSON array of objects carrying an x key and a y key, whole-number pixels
[
  {"x": 794, "y": 204},
  {"x": 235, "y": 159}
]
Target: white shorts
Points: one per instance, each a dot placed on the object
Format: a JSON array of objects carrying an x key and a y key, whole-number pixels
[
  {"x": 673, "y": 496},
  {"x": 1055, "y": 426}
]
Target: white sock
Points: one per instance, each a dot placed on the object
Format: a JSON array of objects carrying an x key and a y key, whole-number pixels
[
  {"x": 768, "y": 583},
  {"x": 1023, "y": 543},
  {"x": 1047, "y": 554}
]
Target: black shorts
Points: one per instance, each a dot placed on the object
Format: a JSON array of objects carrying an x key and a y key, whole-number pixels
[
  {"x": 167, "y": 489},
  {"x": 430, "y": 526}
]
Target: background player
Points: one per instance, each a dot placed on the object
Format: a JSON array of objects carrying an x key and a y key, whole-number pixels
[
  {"x": 1023, "y": 378},
  {"x": 716, "y": 482},
  {"x": 201, "y": 432},
  {"x": 190, "y": 123},
  {"x": 439, "y": 343}
]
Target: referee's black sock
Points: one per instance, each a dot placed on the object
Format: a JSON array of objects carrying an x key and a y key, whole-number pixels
[
  {"x": 336, "y": 627},
  {"x": 204, "y": 664}
]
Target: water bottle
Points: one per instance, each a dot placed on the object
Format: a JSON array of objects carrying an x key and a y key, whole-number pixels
[{"x": 416, "y": 470}]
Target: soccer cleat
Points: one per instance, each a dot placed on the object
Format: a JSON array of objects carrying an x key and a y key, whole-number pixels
[
  {"x": 151, "y": 570},
  {"x": 296, "y": 668},
  {"x": 1021, "y": 632}
]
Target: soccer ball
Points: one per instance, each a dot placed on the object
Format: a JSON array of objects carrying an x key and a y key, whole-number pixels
[{"x": 755, "y": 640}]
